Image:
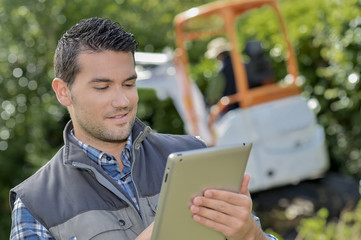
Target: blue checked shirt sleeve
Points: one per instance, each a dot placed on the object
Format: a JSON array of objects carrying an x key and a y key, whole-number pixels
[
  {"x": 269, "y": 236},
  {"x": 25, "y": 226}
]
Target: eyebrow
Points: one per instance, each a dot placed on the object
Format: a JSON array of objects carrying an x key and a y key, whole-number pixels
[
  {"x": 105, "y": 80},
  {"x": 133, "y": 77}
]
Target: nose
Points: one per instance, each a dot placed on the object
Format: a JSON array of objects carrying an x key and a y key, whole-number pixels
[{"x": 120, "y": 99}]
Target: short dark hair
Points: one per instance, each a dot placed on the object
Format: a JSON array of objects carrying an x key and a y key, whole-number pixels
[{"x": 93, "y": 34}]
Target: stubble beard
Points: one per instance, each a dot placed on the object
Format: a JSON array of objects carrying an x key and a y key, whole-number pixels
[
  {"x": 100, "y": 132},
  {"x": 108, "y": 135}
]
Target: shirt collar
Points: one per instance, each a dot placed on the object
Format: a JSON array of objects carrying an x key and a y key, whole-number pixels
[{"x": 97, "y": 156}]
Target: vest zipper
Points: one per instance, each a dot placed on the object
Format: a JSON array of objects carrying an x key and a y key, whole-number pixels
[{"x": 136, "y": 145}]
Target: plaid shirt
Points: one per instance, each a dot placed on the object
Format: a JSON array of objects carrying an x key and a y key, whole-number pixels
[{"x": 25, "y": 226}]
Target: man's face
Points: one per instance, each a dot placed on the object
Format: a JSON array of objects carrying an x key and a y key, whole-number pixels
[{"x": 104, "y": 97}]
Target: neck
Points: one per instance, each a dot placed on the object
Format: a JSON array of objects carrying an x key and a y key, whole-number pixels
[{"x": 112, "y": 148}]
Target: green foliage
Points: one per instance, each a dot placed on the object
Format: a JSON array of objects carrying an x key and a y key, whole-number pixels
[
  {"x": 154, "y": 117},
  {"x": 348, "y": 227},
  {"x": 328, "y": 49}
]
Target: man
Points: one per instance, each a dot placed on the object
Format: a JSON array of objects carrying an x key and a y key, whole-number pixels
[
  {"x": 104, "y": 183},
  {"x": 219, "y": 49},
  {"x": 258, "y": 69}
]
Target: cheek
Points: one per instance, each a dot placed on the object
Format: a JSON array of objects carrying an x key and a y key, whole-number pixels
[
  {"x": 94, "y": 104},
  {"x": 134, "y": 98}
]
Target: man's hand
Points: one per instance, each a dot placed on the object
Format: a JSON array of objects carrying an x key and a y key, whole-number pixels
[
  {"x": 146, "y": 234},
  {"x": 227, "y": 212}
]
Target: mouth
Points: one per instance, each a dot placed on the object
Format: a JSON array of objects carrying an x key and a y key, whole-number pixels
[{"x": 119, "y": 118}]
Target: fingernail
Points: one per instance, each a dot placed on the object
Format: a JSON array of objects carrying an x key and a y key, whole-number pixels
[
  {"x": 198, "y": 201},
  {"x": 194, "y": 209},
  {"x": 196, "y": 218},
  {"x": 208, "y": 194}
]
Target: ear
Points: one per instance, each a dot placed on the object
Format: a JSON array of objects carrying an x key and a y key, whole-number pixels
[{"x": 62, "y": 91}]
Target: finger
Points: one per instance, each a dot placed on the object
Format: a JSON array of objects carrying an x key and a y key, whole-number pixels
[
  {"x": 244, "y": 185},
  {"x": 220, "y": 227},
  {"x": 232, "y": 198},
  {"x": 202, "y": 204},
  {"x": 223, "y": 202},
  {"x": 211, "y": 217},
  {"x": 221, "y": 222}
]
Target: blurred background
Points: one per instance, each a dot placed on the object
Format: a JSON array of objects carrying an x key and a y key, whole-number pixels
[{"x": 326, "y": 37}]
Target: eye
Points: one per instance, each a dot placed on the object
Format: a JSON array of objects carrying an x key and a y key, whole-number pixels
[
  {"x": 129, "y": 84},
  {"x": 100, "y": 88}
]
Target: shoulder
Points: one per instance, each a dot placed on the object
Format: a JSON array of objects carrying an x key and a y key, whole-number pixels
[
  {"x": 172, "y": 140},
  {"x": 163, "y": 140},
  {"x": 40, "y": 177}
]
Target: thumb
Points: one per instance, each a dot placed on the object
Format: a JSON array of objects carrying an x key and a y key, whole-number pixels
[{"x": 244, "y": 185}]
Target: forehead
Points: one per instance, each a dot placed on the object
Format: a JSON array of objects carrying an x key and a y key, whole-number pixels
[{"x": 106, "y": 63}]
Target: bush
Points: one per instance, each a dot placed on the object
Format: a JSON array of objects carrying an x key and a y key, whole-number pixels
[{"x": 348, "y": 227}]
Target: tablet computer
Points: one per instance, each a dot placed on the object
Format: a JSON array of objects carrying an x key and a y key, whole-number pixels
[{"x": 188, "y": 174}]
